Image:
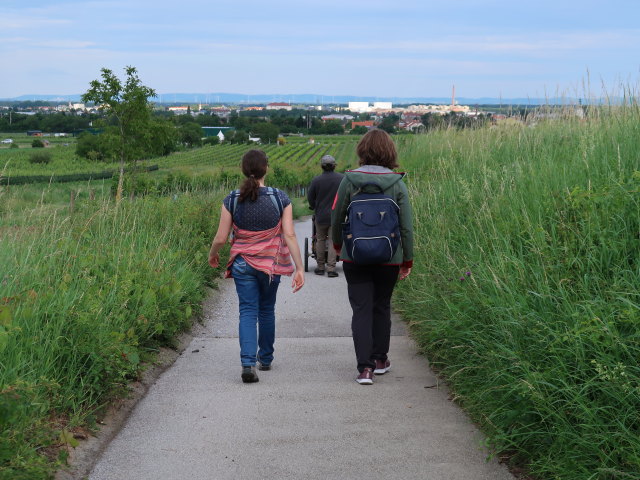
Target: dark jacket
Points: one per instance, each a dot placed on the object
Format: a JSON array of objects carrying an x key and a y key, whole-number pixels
[
  {"x": 321, "y": 193},
  {"x": 392, "y": 184}
]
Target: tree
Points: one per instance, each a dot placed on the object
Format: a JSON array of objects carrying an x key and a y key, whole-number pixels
[
  {"x": 191, "y": 134},
  {"x": 267, "y": 132},
  {"x": 333, "y": 127},
  {"x": 128, "y": 103},
  {"x": 240, "y": 123},
  {"x": 90, "y": 146},
  {"x": 164, "y": 137},
  {"x": 208, "y": 120},
  {"x": 238, "y": 136},
  {"x": 389, "y": 123}
]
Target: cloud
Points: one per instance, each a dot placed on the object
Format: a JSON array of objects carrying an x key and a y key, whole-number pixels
[
  {"x": 542, "y": 43},
  {"x": 9, "y": 21},
  {"x": 63, "y": 44}
]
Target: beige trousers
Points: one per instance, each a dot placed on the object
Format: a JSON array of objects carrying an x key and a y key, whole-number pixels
[{"x": 325, "y": 253}]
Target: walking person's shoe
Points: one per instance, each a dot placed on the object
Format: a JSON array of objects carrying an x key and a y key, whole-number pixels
[
  {"x": 366, "y": 377},
  {"x": 319, "y": 271},
  {"x": 249, "y": 375},
  {"x": 382, "y": 367},
  {"x": 332, "y": 274},
  {"x": 264, "y": 366}
]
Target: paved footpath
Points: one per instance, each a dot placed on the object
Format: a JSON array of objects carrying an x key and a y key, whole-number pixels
[{"x": 307, "y": 418}]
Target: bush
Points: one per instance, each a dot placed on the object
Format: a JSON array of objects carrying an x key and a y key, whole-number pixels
[
  {"x": 14, "y": 145},
  {"x": 37, "y": 143},
  {"x": 93, "y": 147},
  {"x": 215, "y": 140},
  {"x": 43, "y": 157}
]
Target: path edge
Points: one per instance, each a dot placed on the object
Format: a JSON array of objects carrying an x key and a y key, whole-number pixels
[{"x": 83, "y": 458}]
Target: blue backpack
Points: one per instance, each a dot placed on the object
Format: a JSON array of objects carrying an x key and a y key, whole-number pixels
[{"x": 371, "y": 233}]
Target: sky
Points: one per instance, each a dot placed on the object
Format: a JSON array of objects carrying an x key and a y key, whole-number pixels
[{"x": 376, "y": 48}]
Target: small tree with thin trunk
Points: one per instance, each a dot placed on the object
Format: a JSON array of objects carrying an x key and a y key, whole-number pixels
[{"x": 128, "y": 104}]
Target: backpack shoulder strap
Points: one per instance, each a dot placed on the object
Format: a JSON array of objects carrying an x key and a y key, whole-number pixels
[
  {"x": 275, "y": 199},
  {"x": 234, "y": 201}
]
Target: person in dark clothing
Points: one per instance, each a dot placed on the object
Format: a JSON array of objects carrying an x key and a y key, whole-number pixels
[
  {"x": 370, "y": 286},
  {"x": 321, "y": 193}
]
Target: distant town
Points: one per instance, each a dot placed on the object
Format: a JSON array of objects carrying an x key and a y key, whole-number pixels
[{"x": 196, "y": 123}]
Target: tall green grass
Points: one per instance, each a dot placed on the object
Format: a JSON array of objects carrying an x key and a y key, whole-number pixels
[
  {"x": 525, "y": 292},
  {"x": 85, "y": 298}
]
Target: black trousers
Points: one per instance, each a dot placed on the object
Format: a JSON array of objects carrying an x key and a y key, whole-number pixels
[{"x": 370, "y": 288}]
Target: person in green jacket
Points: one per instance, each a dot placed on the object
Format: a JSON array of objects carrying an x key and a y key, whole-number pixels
[{"x": 370, "y": 286}]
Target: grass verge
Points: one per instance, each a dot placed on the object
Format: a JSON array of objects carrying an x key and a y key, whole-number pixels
[{"x": 525, "y": 294}]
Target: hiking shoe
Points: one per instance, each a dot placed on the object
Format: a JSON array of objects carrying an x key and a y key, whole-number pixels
[
  {"x": 319, "y": 271},
  {"x": 366, "y": 377},
  {"x": 382, "y": 367},
  {"x": 264, "y": 367},
  {"x": 249, "y": 375},
  {"x": 332, "y": 274}
]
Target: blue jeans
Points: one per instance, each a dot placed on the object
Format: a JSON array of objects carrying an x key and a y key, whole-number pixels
[{"x": 257, "y": 297}]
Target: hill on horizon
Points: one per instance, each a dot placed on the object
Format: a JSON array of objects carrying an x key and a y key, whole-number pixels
[{"x": 305, "y": 99}]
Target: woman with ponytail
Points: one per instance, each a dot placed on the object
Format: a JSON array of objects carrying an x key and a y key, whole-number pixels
[{"x": 262, "y": 247}]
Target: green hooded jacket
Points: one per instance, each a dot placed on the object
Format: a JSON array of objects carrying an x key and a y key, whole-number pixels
[{"x": 392, "y": 185}]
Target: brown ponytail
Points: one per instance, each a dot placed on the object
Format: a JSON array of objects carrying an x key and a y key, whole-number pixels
[{"x": 254, "y": 167}]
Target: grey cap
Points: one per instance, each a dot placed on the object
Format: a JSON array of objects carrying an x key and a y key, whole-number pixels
[{"x": 327, "y": 160}]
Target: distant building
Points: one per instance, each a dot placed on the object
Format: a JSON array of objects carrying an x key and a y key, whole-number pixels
[
  {"x": 336, "y": 116},
  {"x": 382, "y": 106},
  {"x": 279, "y": 106},
  {"x": 359, "y": 107},
  {"x": 179, "y": 110},
  {"x": 222, "y": 112},
  {"x": 219, "y": 132},
  {"x": 411, "y": 116},
  {"x": 367, "y": 124},
  {"x": 413, "y": 126}
]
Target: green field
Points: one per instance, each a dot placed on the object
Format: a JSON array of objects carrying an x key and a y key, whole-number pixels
[
  {"x": 22, "y": 140},
  {"x": 297, "y": 154},
  {"x": 524, "y": 294}
]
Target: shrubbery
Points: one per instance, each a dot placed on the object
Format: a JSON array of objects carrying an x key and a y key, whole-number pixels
[{"x": 40, "y": 157}]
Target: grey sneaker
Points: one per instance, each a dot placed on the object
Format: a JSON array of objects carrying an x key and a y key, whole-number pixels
[
  {"x": 249, "y": 375},
  {"x": 264, "y": 366},
  {"x": 332, "y": 274},
  {"x": 319, "y": 271}
]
